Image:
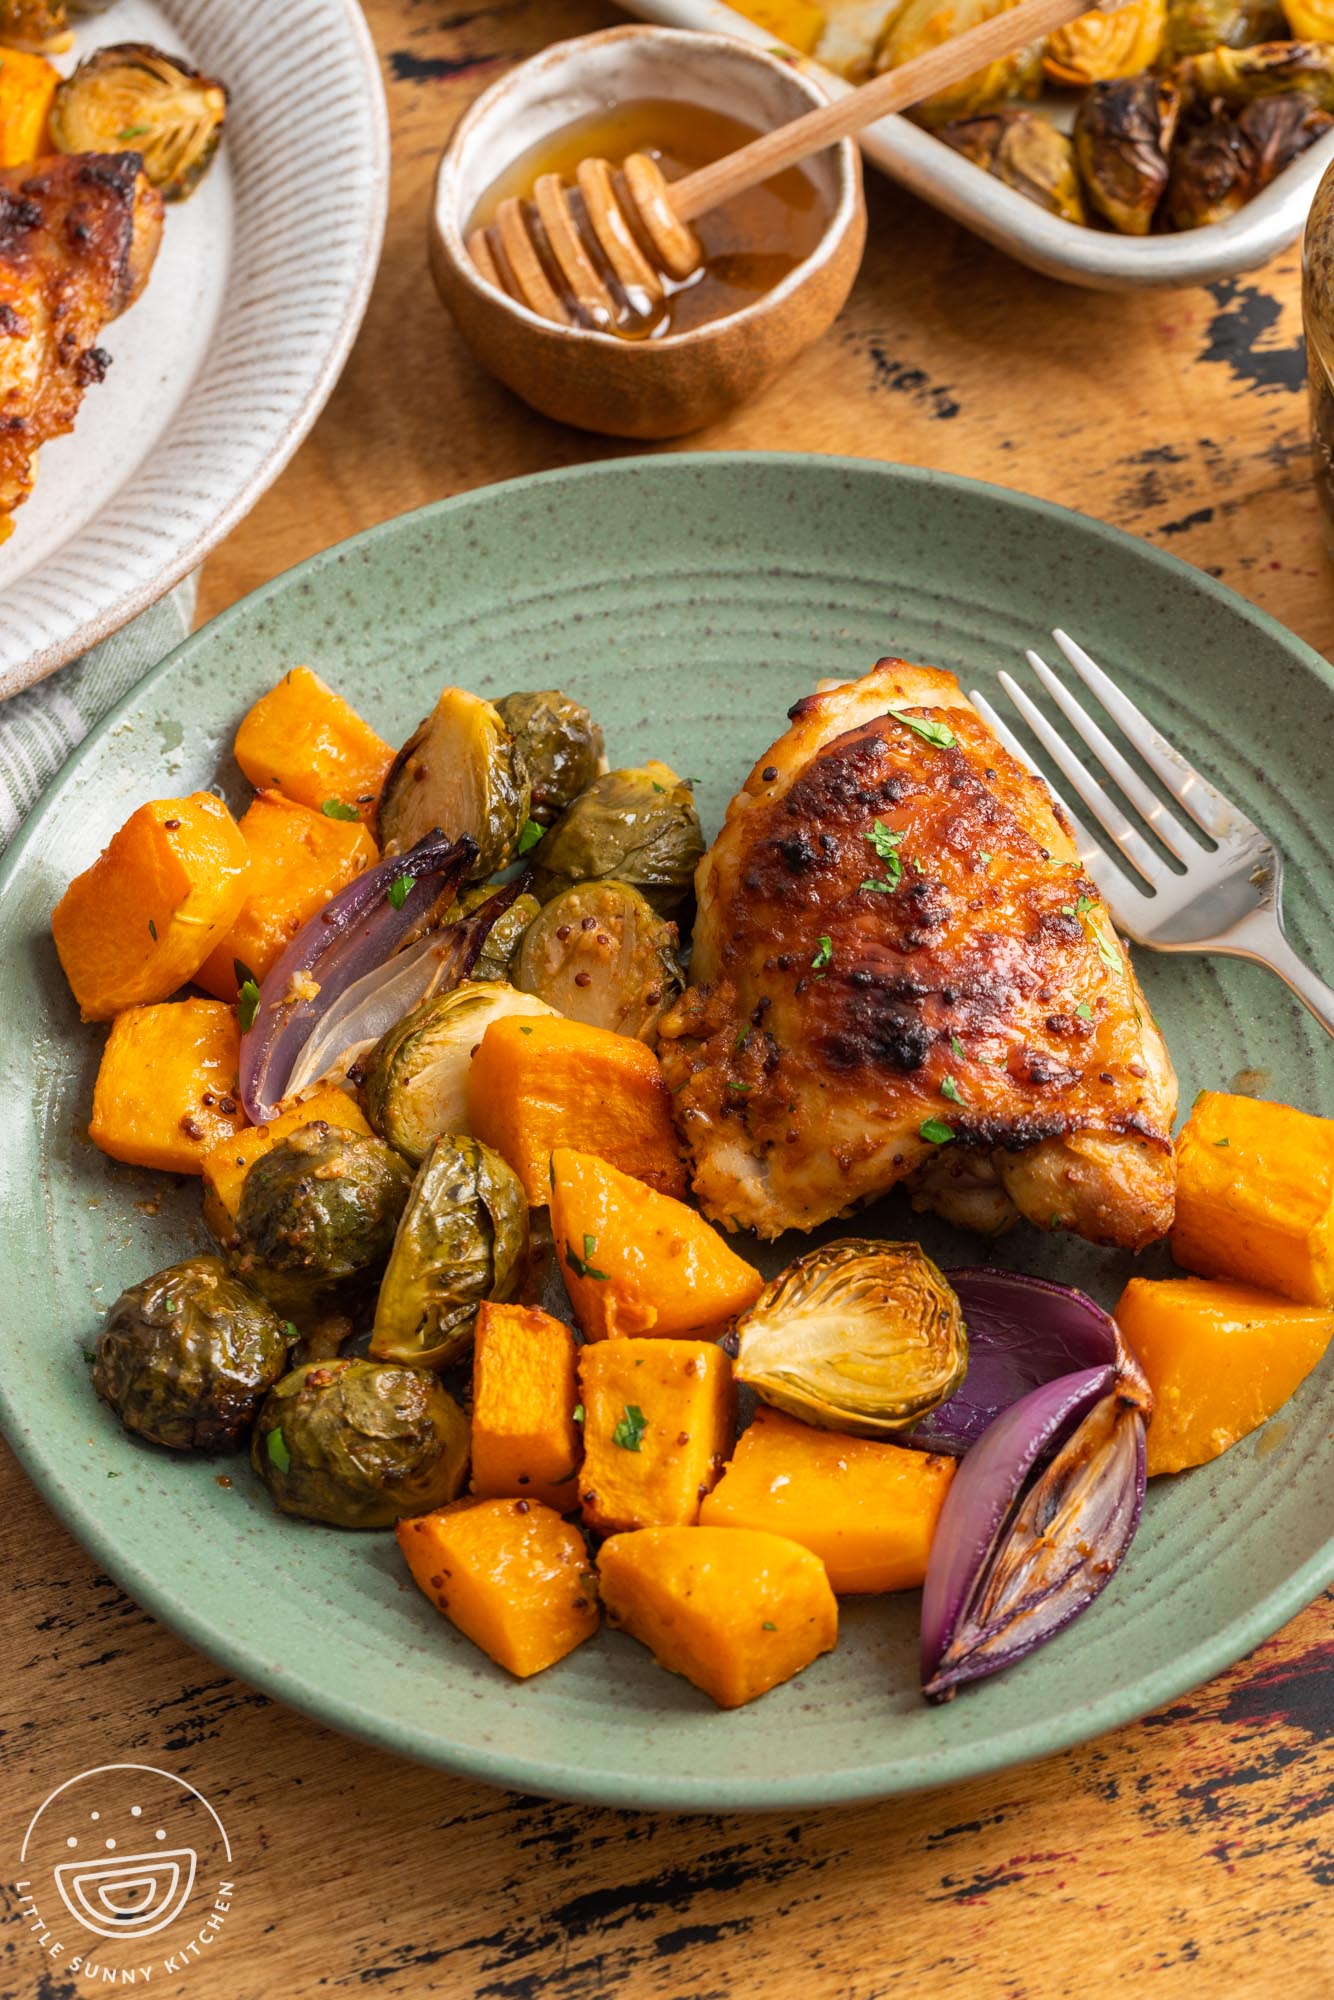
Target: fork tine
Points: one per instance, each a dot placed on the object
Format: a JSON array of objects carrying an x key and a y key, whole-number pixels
[
  {"x": 1092, "y": 856},
  {"x": 1206, "y": 805},
  {"x": 1168, "y": 829},
  {"x": 1108, "y": 815}
]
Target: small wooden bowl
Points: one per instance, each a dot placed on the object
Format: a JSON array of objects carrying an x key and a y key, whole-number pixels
[{"x": 640, "y": 389}]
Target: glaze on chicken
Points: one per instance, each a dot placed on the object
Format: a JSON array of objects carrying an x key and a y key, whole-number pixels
[
  {"x": 901, "y": 974},
  {"x": 78, "y": 236}
]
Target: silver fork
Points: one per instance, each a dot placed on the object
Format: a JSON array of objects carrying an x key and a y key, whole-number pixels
[{"x": 1228, "y": 898}]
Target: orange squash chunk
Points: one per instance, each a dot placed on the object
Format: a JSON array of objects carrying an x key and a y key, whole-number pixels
[
  {"x": 1220, "y": 1358},
  {"x": 303, "y": 739},
  {"x": 27, "y": 85},
  {"x": 538, "y": 1083},
  {"x": 298, "y": 860},
  {"x": 141, "y": 921},
  {"x": 525, "y": 1441},
  {"x": 659, "y": 1420},
  {"x": 166, "y": 1087},
  {"x": 226, "y": 1164},
  {"x": 868, "y": 1509},
  {"x": 514, "y": 1578},
  {"x": 638, "y": 1262},
  {"x": 1255, "y": 1196},
  {"x": 734, "y": 1610}
]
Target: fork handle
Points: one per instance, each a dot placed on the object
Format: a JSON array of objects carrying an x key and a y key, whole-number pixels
[{"x": 1261, "y": 939}]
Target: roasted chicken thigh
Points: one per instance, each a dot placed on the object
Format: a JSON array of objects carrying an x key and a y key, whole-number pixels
[
  {"x": 78, "y": 235},
  {"x": 901, "y": 974}
]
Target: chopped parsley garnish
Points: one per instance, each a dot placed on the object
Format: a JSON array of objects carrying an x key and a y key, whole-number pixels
[
  {"x": 1084, "y": 1011},
  {"x": 1222, "y": 1142},
  {"x": 1111, "y": 958},
  {"x": 580, "y": 1265},
  {"x": 743, "y": 1037},
  {"x": 337, "y": 809},
  {"x": 289, "y": 1328},
  {"x": 629, "y": 1432},
  {"x": 824, "y": 954},
  {"x": 1055, "y": 1222},
  {"x": 986, "y": 859},
  {"x": 247, "y": 1005},
  {"x": 1078, "y": 909},
  {"x": 399, "y": 890},
  {"x": 128, "y": 132},
  {"x": 242, "y": 971},
  {"x": 769, "y": 1625},
  {"x": 525, "y": 1031},
  {"x": 578, "y": 1413},
  {"x": 918, "y": 867},
  {"x": 89, "y": 1355},
  {"x": 279, "y": 1455},
  {"x": 744, "y": 1088},
  {"x": 938, "y": 734},
  {"x": 152, "y": 930},
  {"x": 171, "y": 1305},
  {"x": 530, "y": 835},
  {"x": 957, "y": 1049},
  {"x": 884, "y": 839},
  {"x": 936, "y": 1131},
  {"x": 949, "y": 1088},
  {"x": 113, "y": 1475}
]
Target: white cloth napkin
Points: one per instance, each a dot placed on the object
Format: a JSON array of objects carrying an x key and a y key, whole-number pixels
[{"x": 39, "y": 728}]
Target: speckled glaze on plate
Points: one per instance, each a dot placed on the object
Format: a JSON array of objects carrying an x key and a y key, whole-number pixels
[
  {"x": 689, "y": 599},
  {"x": 222, "y": 366}
]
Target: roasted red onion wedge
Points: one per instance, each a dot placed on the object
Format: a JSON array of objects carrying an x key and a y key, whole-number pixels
[
  {"x": 1024, "y": 1545},
  {"x": 355, "y": 933}
]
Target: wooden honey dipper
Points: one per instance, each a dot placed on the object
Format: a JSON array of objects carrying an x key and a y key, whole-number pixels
[{"x": 633, "y": 227}]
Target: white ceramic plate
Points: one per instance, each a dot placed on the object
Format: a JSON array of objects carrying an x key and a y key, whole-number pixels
[
  {"x": 221, "y": 367},
  {"x": 1094, "y": 257}
]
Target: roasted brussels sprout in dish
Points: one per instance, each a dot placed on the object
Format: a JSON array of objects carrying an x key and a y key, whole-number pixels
[
  {"x": 132, "y": 95},
  {"x": 317, "y": 1209},
  {"x": 503, "y": 939},
  {"x": 1236, "y": 77},
  {"x": 359, "y": 1444},
  {"x": 856, "y": 1336},
  {"x": 1196, "y": 25},
  {"x": 639, "y": 826},
  {"x": 463, "y": 1238},
  {"x": 186, "y": 1357},
  {"x": 601, "y": 954},
  {"x": 561, "y": 747},
  {"x": 461, "y": 770},
  {"x": 1100, "y": 46},
  {"x": 39, "y": 26},
  {"x": 1123, "y": 137},
  {"x": 1219, "y": 165},
  {"x": 911, "y": 30},
  {"x": 415, "y": 1081},
  {"x": 1025, "y": 150}
]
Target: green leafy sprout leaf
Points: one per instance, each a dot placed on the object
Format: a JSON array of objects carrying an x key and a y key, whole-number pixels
[
  {"x": 247, "y": 1005},
  {"x": 936, "y": 1131},
  {"x": 629, "y": 1432},
  {"x": 338, "y": 809},
  {"x": 949, "y": 1088},
  {"x": 824, "y": 953},
  {"x": 938, "y": 734},
  {"x": 529, "y": 836},
  {"x": 580, "y": 1265},
  {"x": 399, "y": 890}
]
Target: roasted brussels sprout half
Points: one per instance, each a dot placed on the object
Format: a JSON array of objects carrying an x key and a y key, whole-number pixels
[
  {"x": 561, "y": 746},
  {"x": 602, "y": 955},
  {"x": 463, "y": 1238},
  {"x": 1023, "y": 149},
  {"x": 131, "y": 95},
  {"x": 359, "y": 1444},
  {"x": 1232, "y": 78},
  {"x": 923, "y": 24},
  {"x": 317, "y": 1209},
  {"x": 39, "y": 26},
  {"x": 496, "y": 957},
  {"x": 461, "y": 770},
  {"x": 639, "y": 826},
  {"x": 186, "y": 1357},
  {"x": 857, "y": 1336},
  {"x": 415, "y": 1081},
  {"x": 1193, "y": 26},
  {"x": 1123, "y": 138},
  {"x": 1218, "y": 166},
  {"x": 1097, "y": 47}
]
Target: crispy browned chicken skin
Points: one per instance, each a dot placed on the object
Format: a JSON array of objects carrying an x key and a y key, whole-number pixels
[
  {"x": 895, "y": 934},
  {"x": 78, "y": 235}
]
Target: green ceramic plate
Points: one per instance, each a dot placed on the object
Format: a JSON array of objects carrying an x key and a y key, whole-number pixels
[{"x": 689, "y": 601}]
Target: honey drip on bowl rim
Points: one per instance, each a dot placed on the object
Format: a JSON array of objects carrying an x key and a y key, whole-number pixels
[{"x": 750, "y": 244}]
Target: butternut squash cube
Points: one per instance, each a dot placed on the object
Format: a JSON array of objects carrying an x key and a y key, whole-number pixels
[
  {"x": 226, "y": 1164},
  {"x": 141, "y": 921},
  {"x": 868, "y": 1509},
  {"x": 1220, "y": 1358},
  {"x": 1255, "y": 1196},
  {"x": 734, "y": 1610},
  {"x": 303, "y": 739},
  {"x": 166, "y": 1085},
  {"x": 27, "y": 85},
  {"x": 525, "y": 1441},
  {"x": 515, "y": 1578},
  {"x": 298, "y": 860},
  {"x": 659, "y": 1420},
  {"x": 638, "y": 1262},
  {"x": 542, "y": 1082}
]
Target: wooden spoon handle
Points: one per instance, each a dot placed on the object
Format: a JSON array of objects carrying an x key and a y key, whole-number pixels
[{"x": 710, "y": 186}]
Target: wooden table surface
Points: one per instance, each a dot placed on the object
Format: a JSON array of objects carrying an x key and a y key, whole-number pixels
[{"x": 1190, "y": 1854}]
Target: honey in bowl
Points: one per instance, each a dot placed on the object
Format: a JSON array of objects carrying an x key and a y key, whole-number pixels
[{"x": 749, "y": 244}]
